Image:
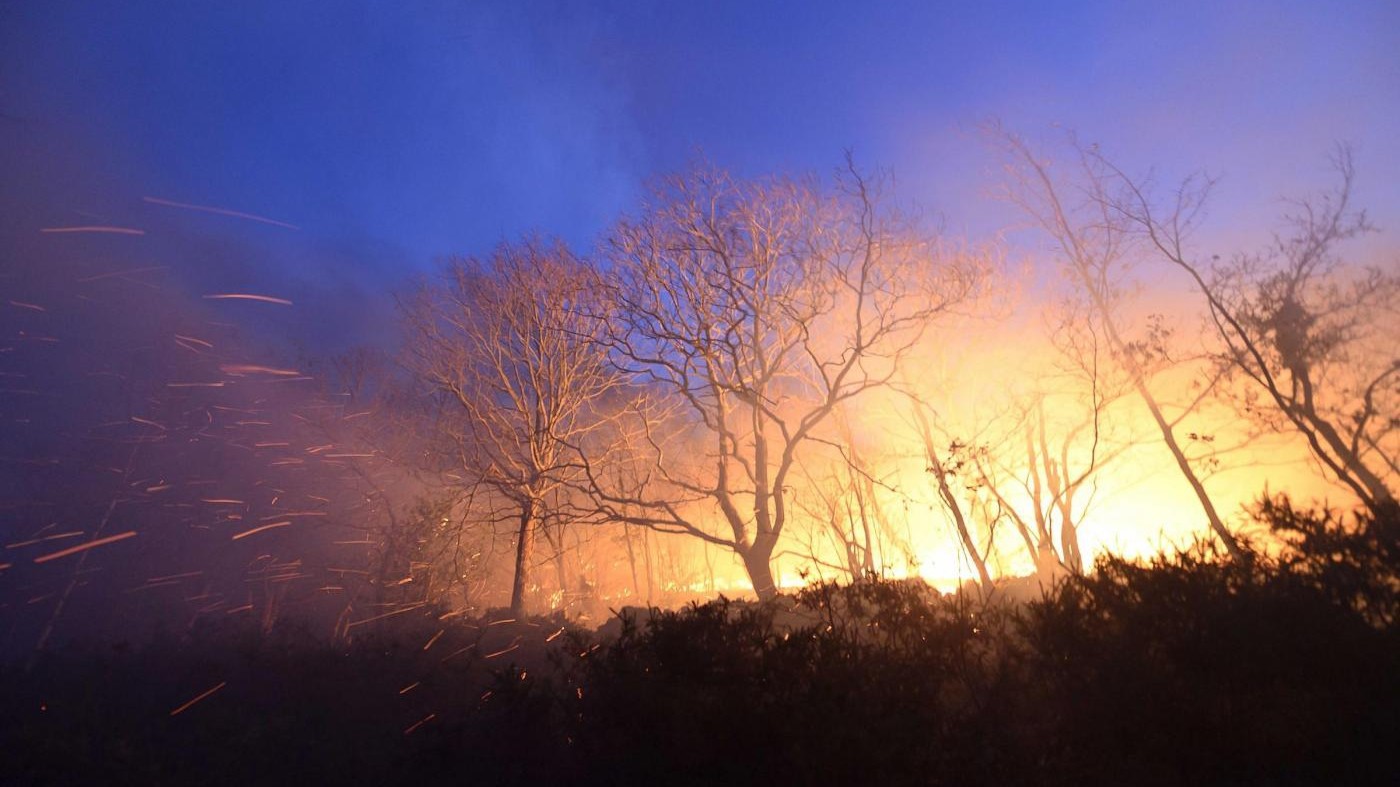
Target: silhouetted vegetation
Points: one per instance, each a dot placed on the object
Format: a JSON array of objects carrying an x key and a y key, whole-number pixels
[{"x": 1193, "y": 668}]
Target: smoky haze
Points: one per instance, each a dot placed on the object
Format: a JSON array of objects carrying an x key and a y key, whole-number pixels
[
  {"x": 726, "y": 392},
  {"x": 155, "y": 157},
  {"x": 124, "y": 383}
]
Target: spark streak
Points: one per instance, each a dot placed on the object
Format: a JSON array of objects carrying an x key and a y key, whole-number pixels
[
  {"x": 32, "y": 541},
  {"x": 419, "y": 723},
  {"x": 84, "y": 546},
  {"x": 187, "y": 705},
  {"x": 433, "y": 639},
  {"x": 193, "y": 340},
  {"x": 245, "y": 296},
  {"x": 220, "y": 211},
  {"x": 515, "y": 645},
  {"x": 113, "y": 274},
  {"x": 95, "y": 228},
  {"x": 261, "y": 528},
  {"x": 248, "y": 368}
]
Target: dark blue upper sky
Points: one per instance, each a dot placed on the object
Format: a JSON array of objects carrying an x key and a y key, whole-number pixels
[{"x": 393, "y": 133}]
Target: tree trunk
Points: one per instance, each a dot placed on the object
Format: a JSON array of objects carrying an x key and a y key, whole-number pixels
[
  {"x": 1069, "y": 547},
  {"x": 1047, "y": 563},
  {"x": 950, "y": 500},
  {"x": 561, "y": 575},
  {"x": 758, "y": 562},
  {"x": 631, "y": 559},
  {"x": 1120, "y": 348},
  {"x": 1184, "y": 465},
  {"x": 1374, "y": 492},
  {"x": 524, "y": 548},
  {"x": 969, "y": 544},
  {"x": 646, "y": 554}
]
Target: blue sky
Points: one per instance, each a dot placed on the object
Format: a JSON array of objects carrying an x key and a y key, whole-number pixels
[{"x": 394, "y": 133}]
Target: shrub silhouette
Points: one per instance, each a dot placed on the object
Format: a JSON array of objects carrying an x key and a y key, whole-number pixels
[{"x": 1193, "y": 668}]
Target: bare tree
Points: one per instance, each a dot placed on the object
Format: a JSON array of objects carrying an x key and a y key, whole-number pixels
[
  {"x": 1313, "y": 336},
  {"x": 1043, "y": 470},
  {"x": 759, "y": 307},
  {"x": 1095, "y": 240},
  {"x": 509, "y": 343},
  {"x": 843, "y": 495},
  {"x": 945, "y": 468}
]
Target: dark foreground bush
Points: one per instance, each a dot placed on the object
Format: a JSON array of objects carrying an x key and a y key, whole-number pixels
[
  {"x": 1191, "y": 669},
  {"x": 291, "y": 708},
  {"x": 1188, "y": 670}
]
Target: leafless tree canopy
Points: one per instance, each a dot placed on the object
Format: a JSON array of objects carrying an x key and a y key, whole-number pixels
[
  {"x": 510, "y": 345},
  {"x": 1096, "y": 244},
  {"x": 707, "y": 373},
  {"x": 759, "y": 307},
  {"x": 1312, "y": 333}
]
